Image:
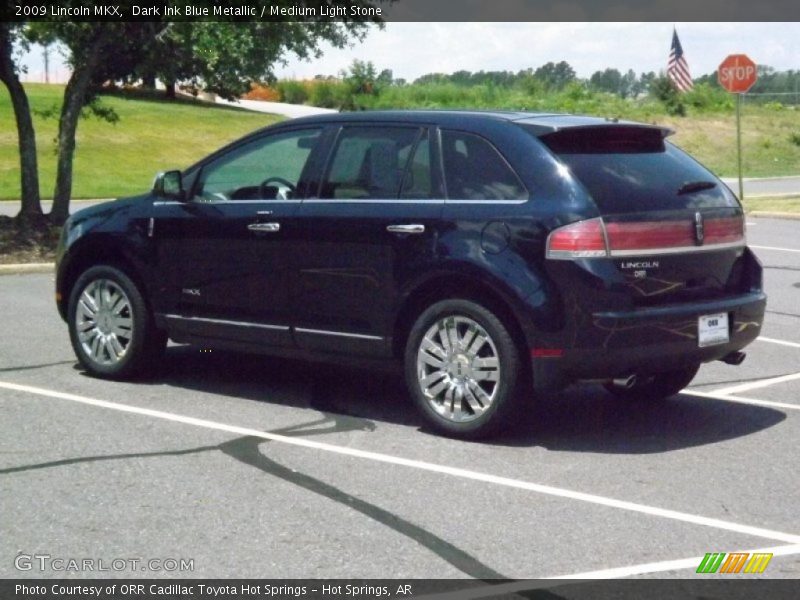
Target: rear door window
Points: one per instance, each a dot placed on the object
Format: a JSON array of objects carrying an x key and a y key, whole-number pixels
[
  {"x": 475, "y": 170},
  {"x": 379, "y": 163},
  {"x": 631, "y": 169}
]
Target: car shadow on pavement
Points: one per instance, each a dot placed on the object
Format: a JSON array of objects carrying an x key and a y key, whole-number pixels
[
  {"x": 586, "y": 418},
  {"x": 341, "y": 390},
  {"x": 582, "y": 418}
]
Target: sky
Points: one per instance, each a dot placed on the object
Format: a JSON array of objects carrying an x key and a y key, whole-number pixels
[{"x": 414, "y": 49}]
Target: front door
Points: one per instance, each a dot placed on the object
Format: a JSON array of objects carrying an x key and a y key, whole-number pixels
[{"x": 232, "y": 242}]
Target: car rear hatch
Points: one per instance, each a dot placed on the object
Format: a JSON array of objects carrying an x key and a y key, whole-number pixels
[{"x": 672, "y": 230}]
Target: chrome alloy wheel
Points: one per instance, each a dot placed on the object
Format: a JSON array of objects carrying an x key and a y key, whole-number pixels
[
  {"x": 458, "y": 369},
  {"x": 104, "y": 321}
]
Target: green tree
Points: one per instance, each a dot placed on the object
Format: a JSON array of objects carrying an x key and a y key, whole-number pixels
[
  {"x": 223, "y": 57},
  {"x": 628, "y": 86},
  {"x": 556, "y": 75},
  {"x": 609, "y": 81},
  {"x": 645, "y": 81},
  {"x": 97, "y": 52},
  {"x": 9, "y": 75},
  {"x": 363, "y": 79}
]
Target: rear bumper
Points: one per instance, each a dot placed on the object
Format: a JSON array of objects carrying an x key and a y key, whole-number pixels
[{"x": 649, "y": 340}]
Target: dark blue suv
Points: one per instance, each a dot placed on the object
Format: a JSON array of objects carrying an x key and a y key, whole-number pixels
[{"x": 498, "y": 255}]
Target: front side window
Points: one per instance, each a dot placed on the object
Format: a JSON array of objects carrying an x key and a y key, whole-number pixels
[
  {"x": 268, "y": 168},
  {"x": 379, "y": 163},
  {"x": 475, "y": 170}
]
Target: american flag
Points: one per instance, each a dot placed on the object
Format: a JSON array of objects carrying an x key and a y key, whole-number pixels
[{"x": 677, "y": 69}]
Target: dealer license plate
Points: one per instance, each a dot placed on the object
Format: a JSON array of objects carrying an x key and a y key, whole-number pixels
[{"x": 712, "y": 329}]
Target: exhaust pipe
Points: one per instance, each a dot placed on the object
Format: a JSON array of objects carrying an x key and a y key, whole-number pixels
[
  {"x": 625, "y": 382},
  {"x": 734, "y": 358}
]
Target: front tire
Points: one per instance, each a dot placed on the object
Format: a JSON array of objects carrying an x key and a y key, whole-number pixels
[
  {"x": 657, "y": 387},
  {"x": 110, "y": 326},
  {"x": 463, "y": 369}
]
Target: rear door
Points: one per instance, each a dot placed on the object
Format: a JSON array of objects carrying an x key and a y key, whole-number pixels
[{"x": 372, "y": 225}]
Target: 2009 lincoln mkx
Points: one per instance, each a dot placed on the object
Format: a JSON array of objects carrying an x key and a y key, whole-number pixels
[{"x": 490, "y": 252}]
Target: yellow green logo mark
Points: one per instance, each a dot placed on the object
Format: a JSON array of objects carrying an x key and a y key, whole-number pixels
[{"x": 735, "y": 562}]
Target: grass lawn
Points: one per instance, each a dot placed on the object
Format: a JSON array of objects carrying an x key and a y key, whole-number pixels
[
  {"x": 786, "y": 204},
  {"x": 154, "y": 134},
  {"x": 770, "y": 141},
  {"x": 120, "y": 159}
]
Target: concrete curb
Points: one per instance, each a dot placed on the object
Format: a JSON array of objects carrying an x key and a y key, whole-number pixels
[
  {"x": 19, "y": 269},
  {"x": 774, "y": 215}
]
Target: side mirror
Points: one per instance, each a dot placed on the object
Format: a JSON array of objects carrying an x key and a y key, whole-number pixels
[{"x": 169, "y": 184}]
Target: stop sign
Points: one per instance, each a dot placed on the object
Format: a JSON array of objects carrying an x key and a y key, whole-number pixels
[{"x": 737, "y": 73}]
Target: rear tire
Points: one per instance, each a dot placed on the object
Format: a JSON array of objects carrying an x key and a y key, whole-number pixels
[
  {"x": 463, "y": 369},
  {"x": 110, "y": 326},
  {"x": 657, "y": 387}
]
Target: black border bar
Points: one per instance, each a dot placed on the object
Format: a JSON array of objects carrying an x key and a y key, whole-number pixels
[
  {"x": 403, "y": 10},
  {"x": 738, "y": 588}
]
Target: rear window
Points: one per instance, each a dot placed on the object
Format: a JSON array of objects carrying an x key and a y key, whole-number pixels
[{"x": 629, "y": 169}]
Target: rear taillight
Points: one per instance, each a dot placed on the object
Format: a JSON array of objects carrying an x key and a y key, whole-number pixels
[
  {"x": 724, "y": 230},
  {"x": 594, "y": 238},
  {"x": 584, "y": 239}
]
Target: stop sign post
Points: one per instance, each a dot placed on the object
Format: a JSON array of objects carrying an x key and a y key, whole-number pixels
[{"x": 737, "y": 74}]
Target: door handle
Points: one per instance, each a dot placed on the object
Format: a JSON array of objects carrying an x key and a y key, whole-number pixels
[
  {"x": 412, "y": 228},
  {"x": 264, "y": 227}
]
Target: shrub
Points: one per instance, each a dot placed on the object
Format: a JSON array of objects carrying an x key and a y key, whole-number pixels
[
  {"x": 327, "y": 94},
  {"x": 293, "y": 92},
  {"x": 262, "y": 92},
  {"x": 665, "y": 91},
  {"x": 704, "y": 97},
  {"x": 794, "y": 138}
]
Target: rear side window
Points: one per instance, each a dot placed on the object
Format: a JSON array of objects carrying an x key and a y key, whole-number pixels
[
  {"x": 475, "y": 170},
  {"x": 379, "y": 163},
  {"x": 630, "y": 169}
]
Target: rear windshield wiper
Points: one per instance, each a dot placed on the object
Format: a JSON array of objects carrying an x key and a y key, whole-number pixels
[{"x": 696, "y": 186}]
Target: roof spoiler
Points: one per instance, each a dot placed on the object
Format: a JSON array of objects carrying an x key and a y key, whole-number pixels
[{"x": 606, "y": 138}]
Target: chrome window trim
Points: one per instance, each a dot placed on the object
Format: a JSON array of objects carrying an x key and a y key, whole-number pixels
[
  {"x": 344, "y": 201},
  {"x": 407, "y": 201},
  {"x": 368, "y": 201},
  {"x": 225, "y": 202},
  {"x": 519, "y": 201}
]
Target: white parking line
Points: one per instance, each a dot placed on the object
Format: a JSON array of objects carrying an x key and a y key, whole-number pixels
[
  {"x": 779, "y": 342},
  {"x": 740, "y": 400},
  {"x": 774, "y": 248},
  {"x": 754, "y": 385},
  {"x": 416, "y": 464}
]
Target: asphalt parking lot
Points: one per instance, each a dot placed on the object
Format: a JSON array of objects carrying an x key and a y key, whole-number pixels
[{"x": 257, "y": 467}]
